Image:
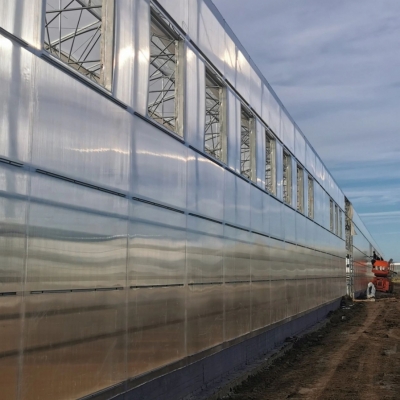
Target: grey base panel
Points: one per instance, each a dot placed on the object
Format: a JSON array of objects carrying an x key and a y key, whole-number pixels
[{"x": 194, "y": 378}]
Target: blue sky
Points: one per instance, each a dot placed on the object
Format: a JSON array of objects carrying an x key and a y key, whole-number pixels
[{"x": 336, "y": 67}]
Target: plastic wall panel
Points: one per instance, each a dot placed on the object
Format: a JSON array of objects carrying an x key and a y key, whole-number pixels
[
  {"x": 156, "y": 326},
  {"x": 243, "y": 71},
  {"x": 301, "y": 235},
  {"x": 132, "y": 41},
  {"x": 205, "y": 186},
  {"x": 14, "y": 185},
  {"x": 158, "y": 167},
  {"x": 310, "y": 160},
  {"x": 84, "y": 136},
  {"x": 289, "y": 222},
  {"x": 279, "y": 170},
  {"x": 260, "y": 154},
  {"x": 16, "y": 69},
  {"x": 77, "y": 237},
  {"x": 287, "y": 128},
  {"x": 179, "y": 11},
  {"x": 237, "y": 200},
  {"x": 157, "y": 246},
  {"x": 273, "y": 110},
  {"x": 22, "y": 18},
  {"x": 257, "y": 209},
  {"x": 233, "y": 137},
  {"x": 255, "y": 91},
  {"x": 82, "y": 334},
  {"x": 195, "y": 99},
  {"x": 274, "y": 211},
  {"x": 300, "y": 147},
  {"x": 318, "y": 171},
  {"x": 230, "y": 58},
  {"x": 211, "y": 37},
  {"x": 204, "y": 252}
]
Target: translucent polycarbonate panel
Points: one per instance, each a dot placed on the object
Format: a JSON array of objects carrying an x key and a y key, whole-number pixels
[
  {"x": 237, "y": 254},
  {"x": 178, "y": 10},
  {"x": 287, "y": 128},
  {"x": 300, "y": 147},
  {"x": 15, "y": 99},
  {"x": 237, "y": 303},
  {"x": 292, "y": 298},
  {"x": 233, "y": 133},
  {"x": 255, "y": 91},
  {"x": 267, "y": 208},
  {"x": 260, "y": 259},
  {"x": 302, "y": 295},
  {"x": 158, "y": 166},
  {"x": 74, "y": 136},
  {"x": 77, "y": 237},
  {"x": 278, "y": 300},
  {"x": 205, "y": 317},
  {"x": 260, "y": 154},
  {"x": 204, "y": 253},
  {"x": 310, "y": 160},
  {"x": 275, "y": 216},
  {"x": 243, "y": 71},
  {"x": 277, "y": 259},
  {"x": 205, "y": 186},
  {"x": 237, "y": 200},
  {"x": 289, "y": 222},
  {"x": 301, "y": 234},
  {"x": 10, "y": 339},
  {"x": 211, "y": 39},
  {"x": 195, "y": 99},
  {"x": 132, "y": 53},
  {"x": 230, "y": 58},
  {"x": 318, "y": 170},
  {"x": 257, "y": 209},
  {"x": 22, "y": 18},
  {"x": 156, "y": 328},
  {"x": 157, "y": 244},
  {"x": 271, "y": 112},
  {"x": 14, "y": 186},
  {"x": 74, "y": 344},
  {"x": 260, "y": 305}
]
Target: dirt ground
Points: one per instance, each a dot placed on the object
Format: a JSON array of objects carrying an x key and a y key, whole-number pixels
[{"x": 355, "y": 356}]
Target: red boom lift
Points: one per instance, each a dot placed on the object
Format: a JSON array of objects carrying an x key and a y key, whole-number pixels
[{"x": 383, "y": 271}]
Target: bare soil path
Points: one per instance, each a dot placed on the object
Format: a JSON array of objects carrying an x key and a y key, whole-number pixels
[{"x": 352, "y": 358}]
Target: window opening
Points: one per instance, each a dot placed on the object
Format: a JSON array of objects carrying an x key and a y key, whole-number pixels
[
  {"x": 331, "y": 215},
  {"x": 213, "y": 138},
  {"x": 300, "y": 189},
  {"x": 80, "y": 33},
  {"x": 340, "y": 224},
  {"x": 336, "y": 220},
  {"x": 270, "y": 163},
  {"x": 162, "y": 101},
  {"x": 310, "y": 197},
  {"x": 245, "y": 144},
  {"x": 287, "y": 178}
]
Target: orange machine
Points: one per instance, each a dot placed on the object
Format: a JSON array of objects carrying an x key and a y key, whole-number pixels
[{"x": 383, "y": 271}]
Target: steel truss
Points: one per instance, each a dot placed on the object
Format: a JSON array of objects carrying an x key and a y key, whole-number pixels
[
  {"x": 300, "y": 197},
  {"x": 310, "y": 198},
  {"x": 163, "y": 69},
  {"x": 213, "y": 134},
  {"x": 73, "y": 33},
  {"x": 245, "y": 146}
]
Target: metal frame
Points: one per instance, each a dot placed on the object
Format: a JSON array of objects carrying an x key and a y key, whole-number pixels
[
  {"x": 247, "y": 143},
  {"x": 287, "y": 177},
  {"x": 81, "y": 34},
  {"x": 165, "y": 88},
  {"x": 214, "y": 131},
  {"x": 300, "y": 188},
  {"x": 270, "y": 162}
]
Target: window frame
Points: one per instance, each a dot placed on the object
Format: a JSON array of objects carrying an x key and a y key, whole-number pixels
[
  {"x": 287, "y": 167},
  {"x": 106, "y": 46},
  {"x": 270, "y": 186}
]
